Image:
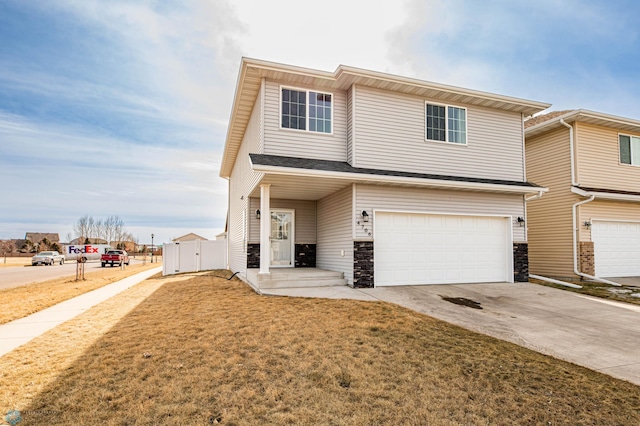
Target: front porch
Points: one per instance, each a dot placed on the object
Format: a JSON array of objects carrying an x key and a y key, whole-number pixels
[{"x": 294, "y": 278}]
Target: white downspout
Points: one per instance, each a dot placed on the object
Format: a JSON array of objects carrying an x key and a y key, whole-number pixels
[
  {"x": 534, "y": 197},
  {"x": 575, "y": 245},
  {"x": 552, "y": 280},
  {"x": 571, "y": 148}
]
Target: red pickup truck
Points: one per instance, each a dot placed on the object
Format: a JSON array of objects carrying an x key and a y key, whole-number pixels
[{"x": 114, "y": 257}]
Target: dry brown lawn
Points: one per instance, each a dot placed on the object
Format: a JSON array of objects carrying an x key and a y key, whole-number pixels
[
  {"x": 35, "y": 297},
  {"x": 197, "y": 350},
  {"x": 14, "y": 261},
  {"x": 603, "y": 291}
]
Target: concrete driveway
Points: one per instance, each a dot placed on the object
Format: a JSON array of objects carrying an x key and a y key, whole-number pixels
[{"x": 595, "y": 333}]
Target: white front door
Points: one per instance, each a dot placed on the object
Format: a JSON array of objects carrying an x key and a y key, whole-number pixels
[{"x": 282, "y": 238}]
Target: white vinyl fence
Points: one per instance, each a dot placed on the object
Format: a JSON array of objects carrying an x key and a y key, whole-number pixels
[{"x": 193, "y": 256}]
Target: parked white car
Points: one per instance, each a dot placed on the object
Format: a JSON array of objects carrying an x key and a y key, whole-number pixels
[{"x": 47, "y": 258}]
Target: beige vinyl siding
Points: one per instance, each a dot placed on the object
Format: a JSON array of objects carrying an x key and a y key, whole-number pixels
[
  {"x": 304, "y": 144},
  {"x": 305, "y": 217},
  {"x": 598, "y": 164},
  {"x": 241, "y": 182},
  {"x": 335, "y": 233},
  {"x": 606, "y": 210},
  {"x": 549, "y": 219},
  {"x": 390, "y": 135},
  {"x": 370, "y": 198}
]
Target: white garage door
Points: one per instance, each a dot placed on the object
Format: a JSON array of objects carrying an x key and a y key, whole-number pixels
[
  {"x": 616, "y": 247},
  {"x": 414, "y": 249}
]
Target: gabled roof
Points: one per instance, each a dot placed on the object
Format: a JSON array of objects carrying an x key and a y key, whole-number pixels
[
  {"x": 252, "y": 71},
  {"x": 551, "y": 121},
  {"x": 190, "y": 237}
]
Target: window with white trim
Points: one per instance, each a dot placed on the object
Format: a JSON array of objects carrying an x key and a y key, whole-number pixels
[
  {"x": 629, "y": 149},
  {"x": 306, "y": 110},
  {"x": 446, "y": 123}
]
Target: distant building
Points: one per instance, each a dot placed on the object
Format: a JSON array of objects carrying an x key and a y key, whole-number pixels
[
  {"x": 189, "y": 237},
  {"x": 37, "y": 237},
  {"x": 38, "y": 241}
]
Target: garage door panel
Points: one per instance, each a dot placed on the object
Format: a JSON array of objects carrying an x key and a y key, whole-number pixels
[
  {"x": 616, "y": 248},
  {"x": 437, "y": 249}
]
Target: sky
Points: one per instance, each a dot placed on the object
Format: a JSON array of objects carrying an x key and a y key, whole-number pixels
[{"x": 112, "y": 107}]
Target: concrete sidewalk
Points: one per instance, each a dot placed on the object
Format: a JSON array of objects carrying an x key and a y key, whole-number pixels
[{"x": 21, "y": 331}]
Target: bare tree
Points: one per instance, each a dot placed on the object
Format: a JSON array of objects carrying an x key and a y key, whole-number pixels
[
  {"x": 114, "y": 228},
  {"x": 6, "y": 247},
  {"x": 110, "y": 229},
  {"x": 82, "y": 228},
  {"x": 100, "y": 229},
  {"x": 91, "y": 225}
]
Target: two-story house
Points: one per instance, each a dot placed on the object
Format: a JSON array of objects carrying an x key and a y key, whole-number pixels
[
  {"x": 588, "y": 225},
  {"x": 385, "y": 179}
]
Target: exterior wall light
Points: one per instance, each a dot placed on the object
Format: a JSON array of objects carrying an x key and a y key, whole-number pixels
[
  {"x": 520, "y": 220},
  {"x": 365, "y": 216},
  {"x": 258, "y": 214},
  {"x": 587, "y": 224}
]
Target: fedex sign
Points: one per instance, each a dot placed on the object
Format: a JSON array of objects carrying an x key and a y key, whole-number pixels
[
  {"x": 82, "y": 249},
  {"x": 89, "y": 251}
]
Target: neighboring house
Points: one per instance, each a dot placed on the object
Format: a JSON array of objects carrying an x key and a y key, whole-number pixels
[
  {"x": 589, "y": 222},
  {"x": 37, "y": 237},
  {"x": 189, "y": 237},
  {"x": 34, "y": 241},
  {"x": 386, "y": 179}
]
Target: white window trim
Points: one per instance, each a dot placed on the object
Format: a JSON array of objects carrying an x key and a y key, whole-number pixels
[
  {"x": 306, "y": 130},
  {"x": 620, "y": 162},
  {"x": 446, "y": 122}
]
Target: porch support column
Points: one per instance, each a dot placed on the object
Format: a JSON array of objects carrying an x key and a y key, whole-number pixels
[{"x": 265, "y": 228}]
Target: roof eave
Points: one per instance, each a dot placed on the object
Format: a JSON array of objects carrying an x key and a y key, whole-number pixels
[
  {"x": 606, "y": 195},
  {"x": 399, "y": 180}
]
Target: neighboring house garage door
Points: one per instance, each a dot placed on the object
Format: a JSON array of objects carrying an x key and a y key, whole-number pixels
[
  {"x": 411, "y": 249},
  {"x": 616, "y": 247}
]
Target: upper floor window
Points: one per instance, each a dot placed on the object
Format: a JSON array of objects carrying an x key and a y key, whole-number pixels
[
  {"x": 629, "y": 149},
  {"x": 306, "y": 110},
  {"x": 446, "y": 123}
]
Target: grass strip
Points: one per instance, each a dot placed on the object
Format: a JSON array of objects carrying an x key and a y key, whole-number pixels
[{"x": 19, "y": 302}]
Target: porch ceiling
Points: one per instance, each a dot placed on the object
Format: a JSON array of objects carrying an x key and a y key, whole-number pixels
[{"x": 300, "y": 187}]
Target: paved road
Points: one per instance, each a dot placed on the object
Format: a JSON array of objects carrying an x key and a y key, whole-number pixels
[{"x": 23, "y": 275}]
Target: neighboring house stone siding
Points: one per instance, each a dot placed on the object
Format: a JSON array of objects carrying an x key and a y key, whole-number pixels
[
  {"x": 587, "y": 258},
  {"x": 363, "y": 264}
]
